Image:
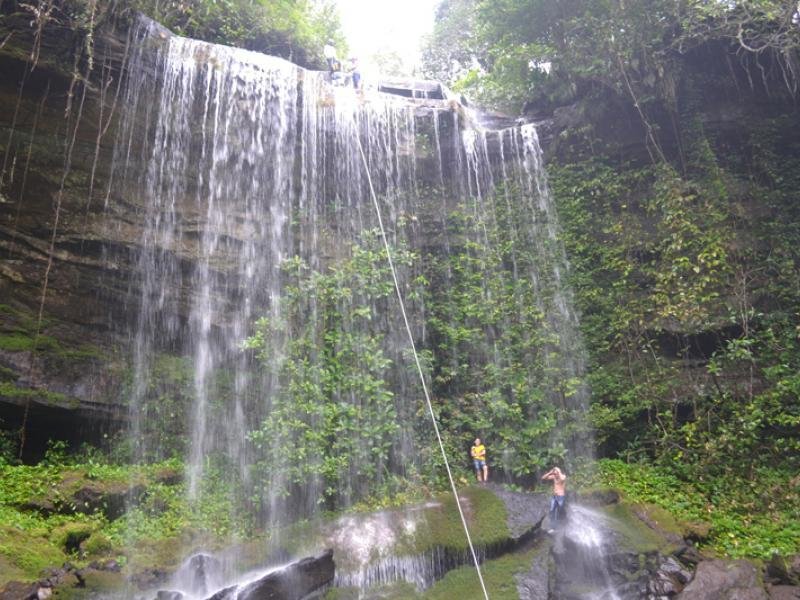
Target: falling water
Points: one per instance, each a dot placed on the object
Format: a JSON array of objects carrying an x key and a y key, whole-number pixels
[{"x": 240, "y": 162}]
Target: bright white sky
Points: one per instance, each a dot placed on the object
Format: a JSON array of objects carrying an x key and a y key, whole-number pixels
[{"x": 373, "y": 26}]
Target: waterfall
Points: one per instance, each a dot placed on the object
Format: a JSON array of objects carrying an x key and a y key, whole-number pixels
[{"x": 258, "y": 224}]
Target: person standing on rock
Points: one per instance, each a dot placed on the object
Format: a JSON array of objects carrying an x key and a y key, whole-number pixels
[
  {"x": 478, "y": 454},
  {"x": 558, "y": 501}
]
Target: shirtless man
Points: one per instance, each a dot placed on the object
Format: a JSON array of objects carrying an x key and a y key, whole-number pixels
[{"x": 557, "y": 502}]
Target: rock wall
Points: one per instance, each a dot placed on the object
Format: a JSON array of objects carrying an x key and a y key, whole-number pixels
[
  {"x": 71, "y": 236},
  {"x": 60, "y": 341}
]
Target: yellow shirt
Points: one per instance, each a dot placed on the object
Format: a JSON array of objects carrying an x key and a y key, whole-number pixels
[{"x": 478, "y": 452}]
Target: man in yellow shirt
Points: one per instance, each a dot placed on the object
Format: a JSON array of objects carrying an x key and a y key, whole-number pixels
[{"x": 478, "y": 454}]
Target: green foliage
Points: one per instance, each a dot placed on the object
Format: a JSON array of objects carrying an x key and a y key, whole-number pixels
[
  {"x": 497, "y": 367},
  {"x": 627, "y": 48},
  {"x": 749, "y": 516},
  {"x": 334, "y": 414},
  {"x": 664, "y": 263},
  {"x": 39, "y": 526},
  {"x": 293, "y": 29}
]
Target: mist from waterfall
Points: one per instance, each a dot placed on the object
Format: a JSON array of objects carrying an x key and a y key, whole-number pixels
[{"x": 247, "y": 172}]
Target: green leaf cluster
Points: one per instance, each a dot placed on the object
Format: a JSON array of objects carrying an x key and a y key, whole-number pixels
[
  {"x": 294, "y": 29},
  {"x": 739, "y": 515},
  {"x": 333, "y": 418}
]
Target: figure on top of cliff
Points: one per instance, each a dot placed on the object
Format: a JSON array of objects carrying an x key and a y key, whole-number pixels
[{"x": 329, "y": 52}]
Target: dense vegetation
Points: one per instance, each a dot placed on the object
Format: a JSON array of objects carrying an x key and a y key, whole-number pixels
[
  {"x": 293, "y": 29},
  {"x": 675, "y": 166},
  {"x": 69, "y": 507},
  {"x": 675, "y": 172}
]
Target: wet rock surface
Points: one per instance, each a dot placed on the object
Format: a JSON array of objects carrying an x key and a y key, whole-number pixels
[
  {"x": 293, "y": 582},
  {"x": 535, "y": 583},
  {"x": 783, "y": 592},
  {"x": 526, "y": 511},
  {"x": 65, "y": 581},
  {"x": 783, "y": 570},
  {"x": 199, "y": 574}
]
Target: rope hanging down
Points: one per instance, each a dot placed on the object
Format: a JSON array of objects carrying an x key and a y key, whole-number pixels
[{"x": 419, "y": 366}]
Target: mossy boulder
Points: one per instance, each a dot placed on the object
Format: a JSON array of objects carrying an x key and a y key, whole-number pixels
[
  {"x": 96, "y": 545},
  {"x": 784, "y": 569},
  {"x": 499, "y": 575},
  {"x": 76, "y": 491},
  {"x": 70, "y": 536},
  {"x": 725, "y": 579},
  {"x": 664, "y": 522},
  {"x": 24, "y": 554}
]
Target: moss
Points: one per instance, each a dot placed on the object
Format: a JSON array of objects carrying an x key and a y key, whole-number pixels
[
  {"x": 635, "y": 534},
  {"x": 498, "y": 575},
  {"x": 664, "y": 521},
  {"x": 9, "y": 571},
  {"x": 11, "y": 390},
  {"x": 397, "y": 591},
  {"x": 97, "y": 544},
  {"x": 485, "y": 514},
  {"x": 17, "y": 342},
  {"x": 27, "y": 553},
  {"x": 164, "y": 553},
  {"x": 97, "y": 584},
  {"x": 7, "y": 374},
  {"x": 70, "y": 535},
  {"x": 23, "y": 319},
  {"x": 24, "y": 340},
  {"x": 599, "y": 496}
]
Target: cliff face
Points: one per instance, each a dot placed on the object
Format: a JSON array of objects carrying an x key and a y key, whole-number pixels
[
  {"x": 136, "y": 206},
  {"x": 57, "y": 126},
  {"x": 669, "y": 257},
  {"x": 680, "y": 220},
  {"x": 71, "y": 236}
]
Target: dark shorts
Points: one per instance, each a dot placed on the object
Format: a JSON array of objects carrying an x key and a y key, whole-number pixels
[{"x": 479, "y": 464}]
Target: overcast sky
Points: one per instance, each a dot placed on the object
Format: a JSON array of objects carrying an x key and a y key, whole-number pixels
[{"x": 378, "y": 25}]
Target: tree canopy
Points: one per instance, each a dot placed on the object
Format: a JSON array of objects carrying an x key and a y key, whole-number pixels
[{"x": 514, "y": 50}]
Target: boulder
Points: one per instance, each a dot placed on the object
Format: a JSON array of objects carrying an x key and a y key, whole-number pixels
[
  {"x": 200, "y": 574},
  {"x": 669, "y": 579},
  {"x": 293, "y": 582},
  {"x": 17, "y": 590},
  {"x": 525, "y": 512},
  {"x": 111, "y": 500},
  {"x": 725, "y": 579},
  {"x": 149, "y": 578},
  {"x": 783, "y": 570},
  {"x": 784, "y": 592}
]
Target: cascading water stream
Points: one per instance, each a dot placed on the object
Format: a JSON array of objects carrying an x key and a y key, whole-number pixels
[{"x": 242, "y": 164}]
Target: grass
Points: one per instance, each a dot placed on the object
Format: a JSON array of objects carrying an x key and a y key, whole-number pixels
[
  {"x": 738, "y": 517},
  {"x": 39, "y": 529}
]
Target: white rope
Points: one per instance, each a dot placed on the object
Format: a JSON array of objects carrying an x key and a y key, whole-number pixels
[{"x": 419, "y": 367}]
